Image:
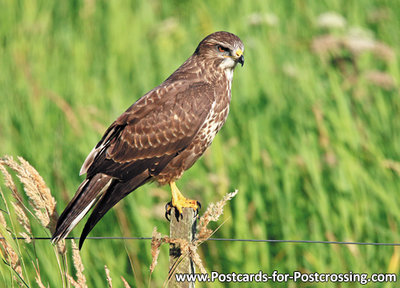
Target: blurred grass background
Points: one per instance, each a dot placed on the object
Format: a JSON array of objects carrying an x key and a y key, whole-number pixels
[{"x": 312, "y": 141}]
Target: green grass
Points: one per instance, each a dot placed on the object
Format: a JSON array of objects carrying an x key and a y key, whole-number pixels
[{"x": 69, "y": 68}]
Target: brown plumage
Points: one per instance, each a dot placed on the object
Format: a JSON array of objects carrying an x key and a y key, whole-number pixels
[{"x": 160, "y": 136}]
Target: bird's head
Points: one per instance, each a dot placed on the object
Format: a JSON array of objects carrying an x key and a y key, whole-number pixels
[{"x": 225, "y": 48}]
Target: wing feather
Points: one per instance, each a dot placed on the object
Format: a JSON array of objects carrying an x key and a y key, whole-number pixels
[{"x": 153, "y": 130}]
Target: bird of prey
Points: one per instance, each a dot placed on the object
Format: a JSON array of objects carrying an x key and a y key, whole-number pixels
[{"x": 160, "y": 136}]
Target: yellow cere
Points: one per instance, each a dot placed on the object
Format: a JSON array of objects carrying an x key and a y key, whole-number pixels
[{"x": 239, "y": 52}]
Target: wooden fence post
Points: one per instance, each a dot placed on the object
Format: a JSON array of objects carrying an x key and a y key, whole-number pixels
[{"x": 183, "y": 229}]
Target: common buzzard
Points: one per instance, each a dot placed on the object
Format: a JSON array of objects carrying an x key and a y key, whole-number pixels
[{"x": 160, "y": 136}]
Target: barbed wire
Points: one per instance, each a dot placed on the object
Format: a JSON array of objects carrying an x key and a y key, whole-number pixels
[{"x": 230, "y": 240}]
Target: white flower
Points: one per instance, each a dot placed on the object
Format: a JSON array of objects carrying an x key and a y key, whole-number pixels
[
  {"x": 331, "y": 20},
  {"x": 289, "y": 69},
  {"x": 269, "y": 19},
  {"x": 359, "y": 40}
]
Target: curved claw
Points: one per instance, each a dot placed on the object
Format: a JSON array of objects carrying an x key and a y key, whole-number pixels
[
  {"x": 168, "y": 208},
  {"x": 168, "y": 211},
  {"x": 178, "y": 215},
  {"x": 196, "y": 212}
]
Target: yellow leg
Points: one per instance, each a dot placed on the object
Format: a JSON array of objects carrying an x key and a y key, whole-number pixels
[{"x": 179, "y": 201}]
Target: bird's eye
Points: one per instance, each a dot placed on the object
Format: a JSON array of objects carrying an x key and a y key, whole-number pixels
[{"x": 222, "y": 49}]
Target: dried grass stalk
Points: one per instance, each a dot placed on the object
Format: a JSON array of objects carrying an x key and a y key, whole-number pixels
[
  {"x": 41, "y": 203},
  {"x": 72, "y": 281},
  {"x": 327, "y": 45},
  {"x": 10, "y": 182},
  {"x": 213, "y": 212},
  {"x": 77, "y": 260},
  {"x": 109, "y": 280},
  {"x": 24, "y": 221},
  {"x": 40, "y": 198},
  {"x": 392, "y": 165},
  {"x": 356, "y": 42},
  {"x": 35, "y": 188},
  {"x": 37, "y": 277},
  {"x": 380, "y": 79},
  {"x": 126, "y": 284},
  {"x": 18, "y": 205},
  {"x": 39, "y": 281},
  {"x": 8, "y": 252},
  {"x": 196, "y": 257},
  {"x": 155, "y": 248}
]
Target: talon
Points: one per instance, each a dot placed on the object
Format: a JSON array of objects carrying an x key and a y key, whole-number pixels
[
  {"x": 168, "y": 208},
  {"x": 178, "y": 214},
  {"x": 196, "y": 212},
  {"x": 179, "y": 202}
]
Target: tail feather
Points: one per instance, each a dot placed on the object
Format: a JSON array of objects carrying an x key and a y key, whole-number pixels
[
  {"x": 115, "y": 192},
  {"x": 86, "y": 196}
]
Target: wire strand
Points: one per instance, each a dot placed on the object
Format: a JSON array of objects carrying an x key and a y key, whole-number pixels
[{"x": 230, "y": 240}]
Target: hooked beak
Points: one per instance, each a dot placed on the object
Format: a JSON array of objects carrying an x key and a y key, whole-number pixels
[
  {"x": 239, "y": 56},
  {"x": 241, "y": 60}
]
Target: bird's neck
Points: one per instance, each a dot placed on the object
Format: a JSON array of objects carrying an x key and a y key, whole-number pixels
[
  {"x": 208, "y": 71},
  {"x": 229, "y": 74}
]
